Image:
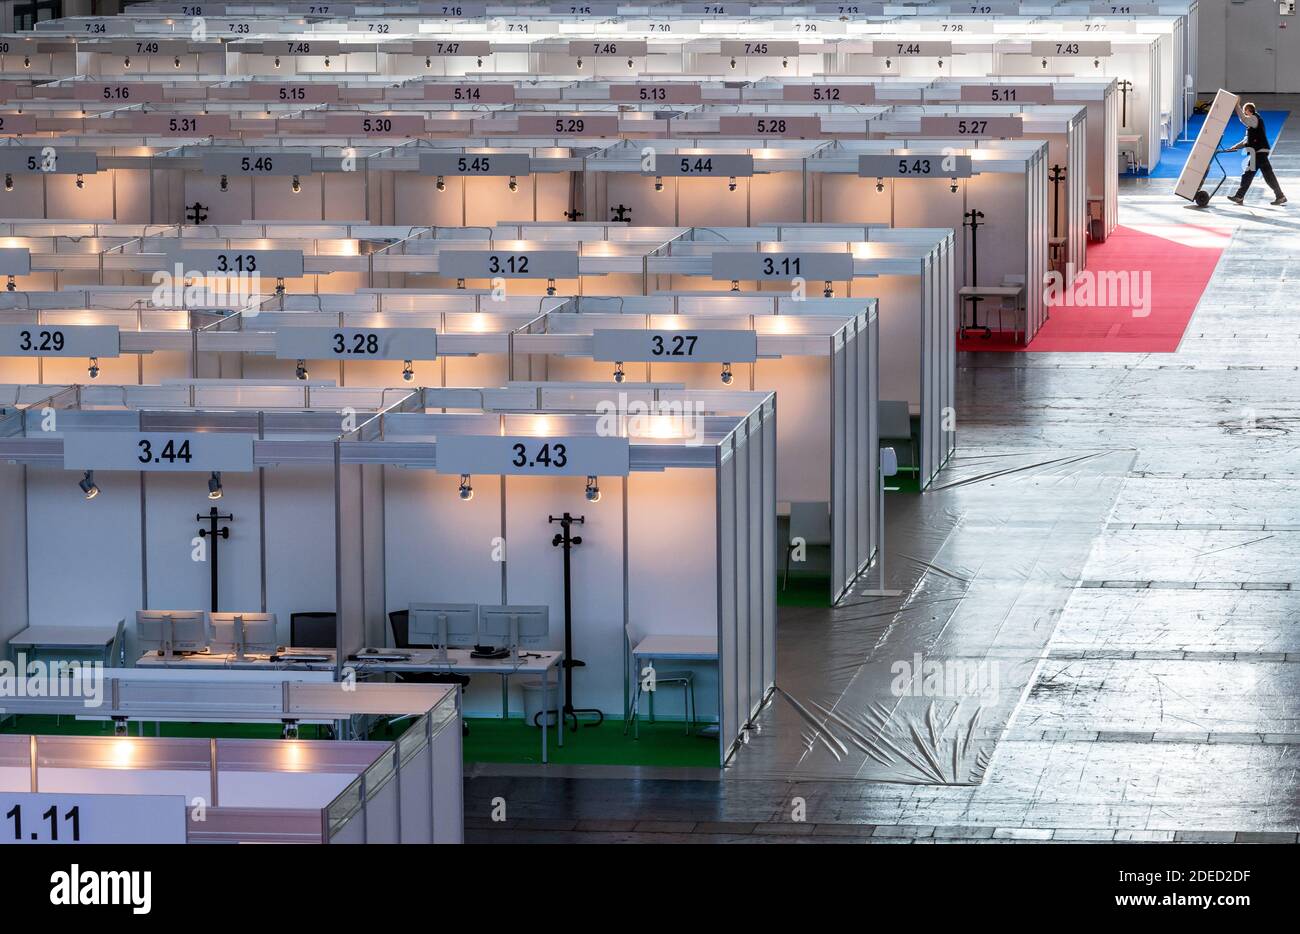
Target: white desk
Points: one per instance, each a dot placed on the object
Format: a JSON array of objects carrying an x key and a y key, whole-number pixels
[
  {"x": 459, "y": 661},
  {"x": 973, "y": 293},
  {"x": 93, "y": 638},
  {"x": 668, "y": 647},
  {"x": 211, "y": 660}
]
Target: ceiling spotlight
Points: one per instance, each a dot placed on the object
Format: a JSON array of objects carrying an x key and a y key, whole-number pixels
[
  {"x": 440, "y": 184},
  {"x": 579, "y": 63},
  {"x": 27, "y": 62},
  {"x": 81, "y": 180},
  {"x": 214, "y": 485},
  {"x": 11, "y": 284},
  {"x": 126, "y": 62},
  {"x": 550, "y": 286},
  {"x": 733, "y": 62},
  {"x": 408, "y": 370},
  {"x": 276, "y": 63},
  {"x": 297, "y": 185},
  {"x": 93, "y": 369},
  {"x": 428, "y": 62},
  {"x": 785, "y": 63},
  {"x": 327, "y": 62},
  {"x": 735, "y": 285},
  {"x": 120, "y": 727},
  {"x": 465, "y": 491},
  {"x": 880, "y": 184},
  {"x": 593, "y": 491},
  {"x": 514, "y": 183},
  {"x": 176, "y": 61},
  {"x": 479, "y": 61},
  {"x": 659, "y": 183},
  {"x": 629, "y": 63},
  {"x": 953, "y": 186},
  {"x": 827, "y": 291},
  {"x": 88, "y": 485},
  {"x": 301, "y": 369},
  {"x": 727, "y": 376},
  {"x": 619, "y": 375},
  {"x": 9, "y": 182},
  {"x": 225, "y": 183},
  {"x": 731, "y": 183}
]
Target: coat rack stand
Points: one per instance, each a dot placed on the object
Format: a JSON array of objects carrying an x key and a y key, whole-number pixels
[
  {"x": 567, "y": 540},
  {"x": 216, "y": 534}
]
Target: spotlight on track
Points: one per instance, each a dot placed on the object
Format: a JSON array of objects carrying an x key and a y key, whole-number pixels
[
  {"x": 465, "y": 491},
  {"x": 214, "y": 485},
  {"x": 593, "y": 491}
]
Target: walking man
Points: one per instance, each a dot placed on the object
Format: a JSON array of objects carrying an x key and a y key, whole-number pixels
[{"x": 1256, "y": 144}]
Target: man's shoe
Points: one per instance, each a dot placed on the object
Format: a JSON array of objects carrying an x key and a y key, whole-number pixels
[
  {"x": 1279, "y": 200},
  {"x": 1235, "y": 199}
]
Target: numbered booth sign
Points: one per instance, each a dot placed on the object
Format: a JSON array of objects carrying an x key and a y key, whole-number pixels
[
  {"x": 526, "y": 455},
  {"x": 59, "y": 340},
  {"x": 38, "y": 817},
  {"x": 721, "y": 165},
  {"x": 829, "y": 267},
  {"x": 486, "y": 164},
  {"x": 257, "y": 163},
  {"x": 508, "y": 264},
  {"x": 170, "y": 451},
  {"x": 974, "y": 127},
  {"x": 702, "y": 345},
  {"x": 915, "y": 165},
  {"x": 356, "y": 343},
  {"x": 278, "y": 264}
]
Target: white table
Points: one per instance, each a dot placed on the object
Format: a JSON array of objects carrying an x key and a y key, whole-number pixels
[
  {"x": 461, "y": 662},
  {"x": 1002, "y": 292},
  {"x": 88, "y": 639},
  {"x": 201, "y": 661},
  {"x": 668, "y": 647}
]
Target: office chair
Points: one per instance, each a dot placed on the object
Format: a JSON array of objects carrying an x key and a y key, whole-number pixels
[
  {"x": 400, "y": 622},
  {"x": 313, "y": 630}
]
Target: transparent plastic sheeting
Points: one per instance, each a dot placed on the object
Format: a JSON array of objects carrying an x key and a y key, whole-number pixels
[{"x": 918, "y": 688}]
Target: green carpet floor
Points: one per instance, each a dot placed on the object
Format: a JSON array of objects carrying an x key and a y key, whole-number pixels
[
  {"x": 804, "y": 590},
  {"x": 664, "y": 743}
]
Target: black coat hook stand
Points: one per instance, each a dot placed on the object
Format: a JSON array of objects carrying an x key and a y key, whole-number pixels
[
  {"x": 1056, "y": 177},
  {"x": 216, "y": 534},
  {"x": 566, "y": 540},
  {"x": 971, "y": 219}
]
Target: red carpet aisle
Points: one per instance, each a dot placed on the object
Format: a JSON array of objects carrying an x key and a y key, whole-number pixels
[{"x": 1136, "y": 296}]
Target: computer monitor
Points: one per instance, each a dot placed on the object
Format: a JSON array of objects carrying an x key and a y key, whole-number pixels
[
  {"x": 169, "y": 632},
  {"x": 240, "y": 633},
  {"x": 442, "y": 625},
  {"x": 515, "y": 626}
]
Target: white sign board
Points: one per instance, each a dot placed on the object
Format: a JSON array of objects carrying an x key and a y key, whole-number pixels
[
  {"x": 526, "y": 455},
  {"x": 355, "y": 343},
  {"x": 257, "y": 163},
  {"x": 49, "y": 160},
  {"x": 59, "y": 340},
  {"x": 36, "y": 817},
  {"x": 911, "y": 49},
  {"x": 1067, "y": 49},
  {"x": 979, "y": 127},
  {"x": 830, "y": 267},
  {"x": 509, "y": 264},
  {"x": 282, "y": 264},
  {"x": 914, "y": 165},
  {"x": 702, "y": 345},
  {"x": 15, "y": 261},
  {"x": 475, "y": 163},
  {"x": 722, "y": 165},
  {"x": 171, "y": 451}
]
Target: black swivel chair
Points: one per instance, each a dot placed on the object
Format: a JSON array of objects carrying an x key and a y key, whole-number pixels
[
  {"x": 400, "y": 621},
  {"x": 313, "y": 630}
]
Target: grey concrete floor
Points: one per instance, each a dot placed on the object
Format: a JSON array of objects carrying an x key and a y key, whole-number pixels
[{"x": 1117, "y": 540}]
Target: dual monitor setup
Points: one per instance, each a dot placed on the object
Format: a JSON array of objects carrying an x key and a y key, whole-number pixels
[
  {"x": 445, "y": 625},
  {"x": 189, "y": 632}
]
